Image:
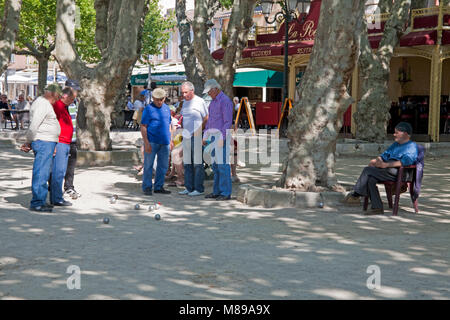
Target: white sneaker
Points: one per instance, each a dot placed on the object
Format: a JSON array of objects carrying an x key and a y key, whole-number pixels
[
  {"x": 195, "y": 193},
  {"x": 240, "y": 164},
  {"x": 184, "y": 192}
]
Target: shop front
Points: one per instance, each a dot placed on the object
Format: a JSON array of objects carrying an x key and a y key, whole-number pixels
[
  {"x": 261, "y": 87},
  {"x": 417, "y": 88}
]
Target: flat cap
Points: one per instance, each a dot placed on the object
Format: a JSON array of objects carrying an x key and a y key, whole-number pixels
[
  {"x": 159, "y": 93},
  {"x": 54, "y": 87}
]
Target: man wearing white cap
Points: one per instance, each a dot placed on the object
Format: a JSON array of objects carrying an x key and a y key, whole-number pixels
[
  {"x": 156, "y": 133},
  {"x": 218, "y": 125}
]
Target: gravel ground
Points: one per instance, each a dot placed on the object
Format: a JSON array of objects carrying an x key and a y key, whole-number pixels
[{"x": 203, "y": 249}]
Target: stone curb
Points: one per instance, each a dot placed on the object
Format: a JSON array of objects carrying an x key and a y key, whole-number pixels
[
  {"x": 107, "y": 158},
  {"x": 269, "y": 197}
]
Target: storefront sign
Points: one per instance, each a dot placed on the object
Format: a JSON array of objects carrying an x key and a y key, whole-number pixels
[{"x": 298, "y": 32}]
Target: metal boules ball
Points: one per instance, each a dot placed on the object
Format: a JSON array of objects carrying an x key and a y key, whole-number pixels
[
  {"x": 112, "y": 200},
  {"x": 105, "y": 220},
  {"x": 320, "y": 205},
  {"x": 116, "y": 196},
  {"x": 157, "y": 216},
  {"x": 151, "y": 207},
  {"x": 137, "y": 206}
]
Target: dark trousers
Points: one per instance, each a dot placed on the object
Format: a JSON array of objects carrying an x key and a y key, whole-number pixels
[
  {"x": 71, "y": 163},
  {"x": 367, "y": 183}
]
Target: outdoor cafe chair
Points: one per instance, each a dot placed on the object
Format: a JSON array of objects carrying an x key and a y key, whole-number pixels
[
  {"x": 128, "y": 119},
  {"x": 393, "y": 188}
]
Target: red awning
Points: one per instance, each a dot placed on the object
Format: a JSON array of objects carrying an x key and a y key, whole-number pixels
[
  {"x": 253, "y": 52},
  {"x": 304, "y": 47},
  {"x": 446, "y": 37},
  {"x": 262, "y": 51},
  {"x": 375, "y": 41},
  {"x": 375, "y": 28},
  {"x": 426, "y": 22},
  {"x": 419, "y": 38},
  {"x": 218, "y": 54}
]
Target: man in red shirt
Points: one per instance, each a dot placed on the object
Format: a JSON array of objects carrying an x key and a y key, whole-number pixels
[{"x": 62, "y": 147}]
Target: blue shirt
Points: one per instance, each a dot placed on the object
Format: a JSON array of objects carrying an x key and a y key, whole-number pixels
[
  {"x": 406, "y": 153},
  {"x": 158, "y": 122}
]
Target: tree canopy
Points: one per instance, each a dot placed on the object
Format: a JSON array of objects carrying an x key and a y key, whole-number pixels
[
  {"x": 155, "y": 33},
  {"x": 37, "y": 28}
]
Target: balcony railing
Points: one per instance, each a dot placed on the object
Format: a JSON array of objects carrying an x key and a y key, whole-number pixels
[
  {"x": 434, "y": 18},
  {"x": 421, "y": 19}
]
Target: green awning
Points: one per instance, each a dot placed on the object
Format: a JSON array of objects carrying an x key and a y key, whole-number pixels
[
  {"x": 139, "y": 79},
  {"x": 169, "y": 78},
  {"x": 263, "y": 78}
]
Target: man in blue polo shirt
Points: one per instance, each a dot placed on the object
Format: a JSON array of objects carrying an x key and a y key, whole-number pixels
[
  {"x": 156, "y": 133},
  {"x": 403, "y": 152}
]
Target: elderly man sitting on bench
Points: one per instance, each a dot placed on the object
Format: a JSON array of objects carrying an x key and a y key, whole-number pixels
[{"x": 403, "y": 152}]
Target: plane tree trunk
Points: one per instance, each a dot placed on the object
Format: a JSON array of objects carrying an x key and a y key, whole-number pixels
[{"x": 316, "y": 118}]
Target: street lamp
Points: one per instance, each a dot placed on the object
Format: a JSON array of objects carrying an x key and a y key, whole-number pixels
[{"x": 290, "y": 11}]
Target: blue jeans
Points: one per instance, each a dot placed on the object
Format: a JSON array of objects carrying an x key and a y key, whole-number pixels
[
  {"x": 43, "y": 154},
  {"x": 58, "y": 172},
  {"x": 162, "y": 150},
  {"x": 222, "y": 172},
  {"x": 194, "y": 172}
]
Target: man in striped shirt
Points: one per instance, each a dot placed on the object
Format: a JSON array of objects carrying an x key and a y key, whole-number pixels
[{"x": 69, "y": 189}]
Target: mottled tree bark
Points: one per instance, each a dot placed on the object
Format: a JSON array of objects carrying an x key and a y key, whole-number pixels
[
  {"x": 8, "y": 31},
  {"x": 194, "y": 71},
  {"x": 372, "y": 114},
  {"x": 385, "y": 6},
  {"x": 118, "y": 38},
  {"x": 241, "y": 20},
  {"x": 316, "y": 119}
]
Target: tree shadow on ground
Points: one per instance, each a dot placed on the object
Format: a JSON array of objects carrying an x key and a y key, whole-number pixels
[{"x": 204, "y": 249}]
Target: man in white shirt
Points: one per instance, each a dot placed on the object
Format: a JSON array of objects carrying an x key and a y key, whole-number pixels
[
  {"x": 42, "y": 136},
  {"x": 22, "y": 105},
  {"x": 195, "y": 115},
  {"x": 130, "y": 105},
  {"x": 139, "y": 106}
]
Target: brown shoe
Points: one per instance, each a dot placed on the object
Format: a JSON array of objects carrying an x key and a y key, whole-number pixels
[
  {"x": 403, "y": 188},
  {"x": 372, "y": 212},
  {"x": 351, "y": 200}
]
